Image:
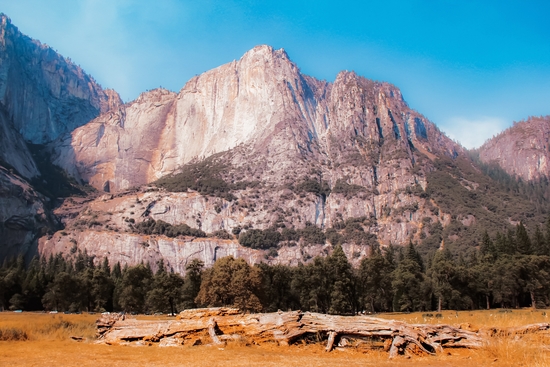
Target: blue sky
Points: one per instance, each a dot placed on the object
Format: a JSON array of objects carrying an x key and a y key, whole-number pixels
[{"x": 471, "y": 67}]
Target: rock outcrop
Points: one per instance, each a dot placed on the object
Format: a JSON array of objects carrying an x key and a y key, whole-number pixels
[
  {"x": 24, "y": 216},
  {"x": 261, "y": 102},
  {"x": 523, "y": 150},
  {"x": 43, "y": 93},
  {"x": 272, "y": 133}
]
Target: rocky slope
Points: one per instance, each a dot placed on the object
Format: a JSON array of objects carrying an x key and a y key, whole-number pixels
[
  {"x": 42, "y": 95},
  {"x": 253, "y": 147},
  {"x": 261, "y": 100},
  {"x": 282, "y": 149},
  {"x": 45, "y": 94},
  {"x": 523, "y": 150}
]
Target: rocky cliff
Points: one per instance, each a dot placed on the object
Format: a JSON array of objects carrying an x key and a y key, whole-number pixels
[
  {"x": 43, "y": 93},
  {"x": 276, "y": 148},
  {"x": 252, "y": 148},
  {"x": 24, "y": 216},
  {"x": 260, "y": 101},
  {"x": 523, "y": 150}
]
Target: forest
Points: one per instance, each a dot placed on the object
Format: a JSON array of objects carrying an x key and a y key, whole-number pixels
[{"x": 508, "y": 270}]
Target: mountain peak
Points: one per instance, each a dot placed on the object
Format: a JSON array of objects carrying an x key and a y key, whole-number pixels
[
  {"x": 266, "y": 51},
  {"x": 522, "y": 150}
]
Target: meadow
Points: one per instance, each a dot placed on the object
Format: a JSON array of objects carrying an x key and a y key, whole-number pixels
[{"x": 40, "y": 339}]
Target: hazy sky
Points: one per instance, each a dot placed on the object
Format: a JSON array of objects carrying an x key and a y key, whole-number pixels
[{"x": 471, "y": 67}]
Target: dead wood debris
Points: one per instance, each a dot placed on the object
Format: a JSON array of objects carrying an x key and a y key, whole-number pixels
[{"x": 219, "y": 325}]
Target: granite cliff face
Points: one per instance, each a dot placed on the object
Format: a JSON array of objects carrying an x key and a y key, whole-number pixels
[
  {"x": 273, "y": 132},
  {"x": 42, "y": 95},
  {"x": 523, "y": 150},
  {"x": 24, "y": 216},
  {"x": 261, "y": 102},
  {"x": 251, "y": 145}
]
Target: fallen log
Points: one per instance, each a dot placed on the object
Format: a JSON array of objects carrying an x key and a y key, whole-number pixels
[{"x": 218, "y": 325}]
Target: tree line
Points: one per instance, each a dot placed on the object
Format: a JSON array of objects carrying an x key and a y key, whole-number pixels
[{"x": 507, "y": 270}]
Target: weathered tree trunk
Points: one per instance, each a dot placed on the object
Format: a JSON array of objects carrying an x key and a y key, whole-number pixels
[
  {"x": 288, "y": 327},
  {"x": 488, "y": 303},
  {"x": 439, "y": 301},
  {"x": 533, "y": 301},
  {"x": 212, "y": 325},
  {"x": 330, "y": 342}
]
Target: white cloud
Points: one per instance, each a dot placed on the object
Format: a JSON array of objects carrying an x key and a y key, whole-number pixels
[{"x": 473, "y": 132}]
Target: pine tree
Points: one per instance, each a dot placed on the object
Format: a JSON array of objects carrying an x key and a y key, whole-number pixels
[
  {"x": 441, "y": 272},
  {"x": 135, "y": 284},
  {"x": 343, "y": 292},
  {"x": 375, "y": 276},
  {"x": 165, "y": 291},
  {"x": 523, "y": 242},
  {"x": 192, "y": 283},
  {"x": 487, "y": 248},
  {"x": 539, "y": 242}
]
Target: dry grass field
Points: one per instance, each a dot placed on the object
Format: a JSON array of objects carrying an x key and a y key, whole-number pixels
[{"x": 34, "y": 339}]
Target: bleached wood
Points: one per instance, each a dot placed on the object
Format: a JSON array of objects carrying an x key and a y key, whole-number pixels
[
  {"x": 288, "y": 327},
  {"x": 330, "y": 342}
]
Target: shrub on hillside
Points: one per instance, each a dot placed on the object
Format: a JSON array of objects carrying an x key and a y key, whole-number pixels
[
  {"x": 160, "y": 227},
  {"x": 260, "y": 239}
]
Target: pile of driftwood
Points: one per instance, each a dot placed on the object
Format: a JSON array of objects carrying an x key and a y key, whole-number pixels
[{"x": 219, "y": 325}]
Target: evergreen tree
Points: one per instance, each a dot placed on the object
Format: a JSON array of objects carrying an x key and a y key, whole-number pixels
[
  {"x": 539, "y": 242},
  {"x": 535, "y": 274},
  {"x": 413, "y": 255},
  {"x": 343, "y": 290},
  {"x": 375, "y": 276},
  {"x": 487, "y": 248},
  {"x": 441, "y": 272},
  {"x": 102, "y": 287},
  {"x": 63, "y": 293},
  {"x": 277, "y": 288},
  {"x": 192, "y": 283},
  {"x": 408, "y": 282},
  {"x": 165, "y": 291},
  {"x": 133, "y": 288},
  {"x": 523, "y": 242}
]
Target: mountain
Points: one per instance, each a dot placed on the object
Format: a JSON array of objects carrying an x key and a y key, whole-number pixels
[
  {"x": 261, "y": 102},
  {"x": 522, "y": 150},
  {"x": 255, "y": 145},
  {"x": 42, "y": 95},
  {"x": 252, "y": 159}
]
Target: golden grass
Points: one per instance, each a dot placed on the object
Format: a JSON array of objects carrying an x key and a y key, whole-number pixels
[
  {"x": 38, "y": 326},
  {"x": 49, "y": 343},
  {"x": 478, "y": 319}
]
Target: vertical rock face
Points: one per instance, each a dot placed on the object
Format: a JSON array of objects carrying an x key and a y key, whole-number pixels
[
  {"x": 44, "y": 94},
  {"x": 523, "y": 150},
  {"x": 23, "y": 216},
  {"x": 240, "y": 102},
  {"x": 13, "y": 150},
  {"x": 265, "y": 106},
  {"x": 319, "y": 153}
]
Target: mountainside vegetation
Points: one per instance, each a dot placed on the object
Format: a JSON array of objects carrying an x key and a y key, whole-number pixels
[{"x": 508, "y": 270}]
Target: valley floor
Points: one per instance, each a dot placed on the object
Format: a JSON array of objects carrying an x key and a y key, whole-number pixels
[{"x": 47, "y": 342}]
